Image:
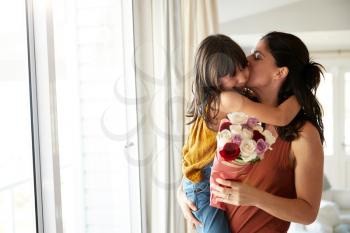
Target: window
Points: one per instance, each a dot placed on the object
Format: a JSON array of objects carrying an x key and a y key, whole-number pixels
[
  {"x": 17, "y": 204},
  {"x": 334, "y": 96},
  {"x": 325, "y": 97},
  {"x": 67, "y": 114},
  {"x": 92, "y": 122}
]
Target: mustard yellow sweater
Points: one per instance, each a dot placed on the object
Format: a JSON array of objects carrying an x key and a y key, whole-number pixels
[{"x": 198, "y": 151}]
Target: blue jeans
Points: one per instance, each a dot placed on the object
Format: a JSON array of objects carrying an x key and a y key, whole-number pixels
[{"x": 213, "y": 220}]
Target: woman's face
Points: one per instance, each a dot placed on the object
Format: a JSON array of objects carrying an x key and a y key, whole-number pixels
[
  {"x": 239, "y": 80},
  {"x": 262, "y": 66}
]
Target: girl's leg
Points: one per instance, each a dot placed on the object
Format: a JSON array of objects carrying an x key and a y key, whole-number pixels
[{"x": 213, "y": 220}]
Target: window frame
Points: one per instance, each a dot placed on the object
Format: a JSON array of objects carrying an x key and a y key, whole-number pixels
[
  {"x": 337, "y": 164},
  {"x": 44, "y": 116}
]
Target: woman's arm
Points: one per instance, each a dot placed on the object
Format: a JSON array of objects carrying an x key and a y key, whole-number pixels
[
  {"x": 308, "y": 153},
  {"x": 280, "y": 116},
  {"x": 186, "y": 206}
]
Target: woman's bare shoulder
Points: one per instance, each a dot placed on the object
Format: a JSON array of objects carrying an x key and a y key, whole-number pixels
[
  {"x": 308, "y": 142},
  {"x": 308, "y": 130}
]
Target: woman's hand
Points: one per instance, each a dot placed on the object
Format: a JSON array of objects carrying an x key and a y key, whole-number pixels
[
  {"x": 235, "y": 193},
  {"x": 187, "y": 206}
]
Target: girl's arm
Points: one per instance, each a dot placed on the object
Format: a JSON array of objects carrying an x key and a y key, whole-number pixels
[
  {"x": 308, "y": 153},
  {"x": 187, "y": 206},
  {"x": 281, "y": 115}
]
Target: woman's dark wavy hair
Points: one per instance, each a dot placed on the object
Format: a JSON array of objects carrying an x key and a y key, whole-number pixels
[
  {"x": 302, "y": 81},
  {"x": 217, "y": 56}
]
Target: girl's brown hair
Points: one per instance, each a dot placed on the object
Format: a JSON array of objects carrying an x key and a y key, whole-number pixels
[{"x": 217, "y": 56}]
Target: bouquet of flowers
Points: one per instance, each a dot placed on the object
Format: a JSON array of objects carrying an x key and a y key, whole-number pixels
[{"x": 241, "y": 141}]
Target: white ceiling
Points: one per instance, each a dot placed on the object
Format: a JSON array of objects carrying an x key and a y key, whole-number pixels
[{"x": 324, "y": 25}]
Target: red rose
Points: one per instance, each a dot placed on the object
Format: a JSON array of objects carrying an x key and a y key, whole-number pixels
[
  {"x": 230, "y": 151},
  {"x": 224, "y": 124},
  {"x": 257, "y": 135}
]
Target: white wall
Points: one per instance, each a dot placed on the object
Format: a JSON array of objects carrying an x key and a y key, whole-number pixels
[{"x": 322, "y": 24}]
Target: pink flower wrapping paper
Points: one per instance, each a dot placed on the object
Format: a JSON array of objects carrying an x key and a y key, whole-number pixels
[
  {"x": 241, "y": 142},
  {"x": 228, "y": 171}
]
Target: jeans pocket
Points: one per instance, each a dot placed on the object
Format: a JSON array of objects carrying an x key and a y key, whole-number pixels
[
  {"x": 202, "y": 199},
  {"x": 201, "y": 187},
  {"x": 198, "y": 193},
  {"x": 202, "y": 195},
  {"x": 191, "y": 196}
]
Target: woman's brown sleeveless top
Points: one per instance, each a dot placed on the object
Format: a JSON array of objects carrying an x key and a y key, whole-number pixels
[{"x": 275, "y": 175}]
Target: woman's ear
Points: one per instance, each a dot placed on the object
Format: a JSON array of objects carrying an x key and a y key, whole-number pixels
[{"x": 282, "y": 72}]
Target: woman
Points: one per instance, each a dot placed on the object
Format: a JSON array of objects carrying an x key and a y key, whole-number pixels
[
  {"x": 286, "y": 186},
  {"x": 220, "y": 68}
]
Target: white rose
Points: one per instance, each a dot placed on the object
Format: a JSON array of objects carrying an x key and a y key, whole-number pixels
[
  {"x": 248, "y": 150},
  {"x": 247, "y": 134},
  {"x": 237, "y": 117},
  {"x": 223, "y": 137},
  {"x": 236, "y": 129},
  {"x": 258, "y": 128},
  {"x": 269, "y": 138}
]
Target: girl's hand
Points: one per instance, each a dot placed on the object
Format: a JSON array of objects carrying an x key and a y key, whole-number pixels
[
  {"x": 235, "y": 193},
  {"x": 187, "y": 206}
]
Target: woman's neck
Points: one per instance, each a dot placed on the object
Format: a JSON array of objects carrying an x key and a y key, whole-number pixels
[
  {"x": 269, "y": 97},
  {"x": 265, "y": 96}
]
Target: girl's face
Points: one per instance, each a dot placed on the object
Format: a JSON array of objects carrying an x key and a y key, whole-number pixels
[
  {"x": 262, "y": 66},
  {"x": 239, "y": 80}
]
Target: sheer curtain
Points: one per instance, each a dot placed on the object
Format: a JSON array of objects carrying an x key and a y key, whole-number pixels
[
  {"x": 166, "y": 34},
  {"x": 200, "y": 19},
  {"x": 160, "y": 91}
]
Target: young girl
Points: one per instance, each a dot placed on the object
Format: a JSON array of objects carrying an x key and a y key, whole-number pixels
[{"x": 220, "y": 69}]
